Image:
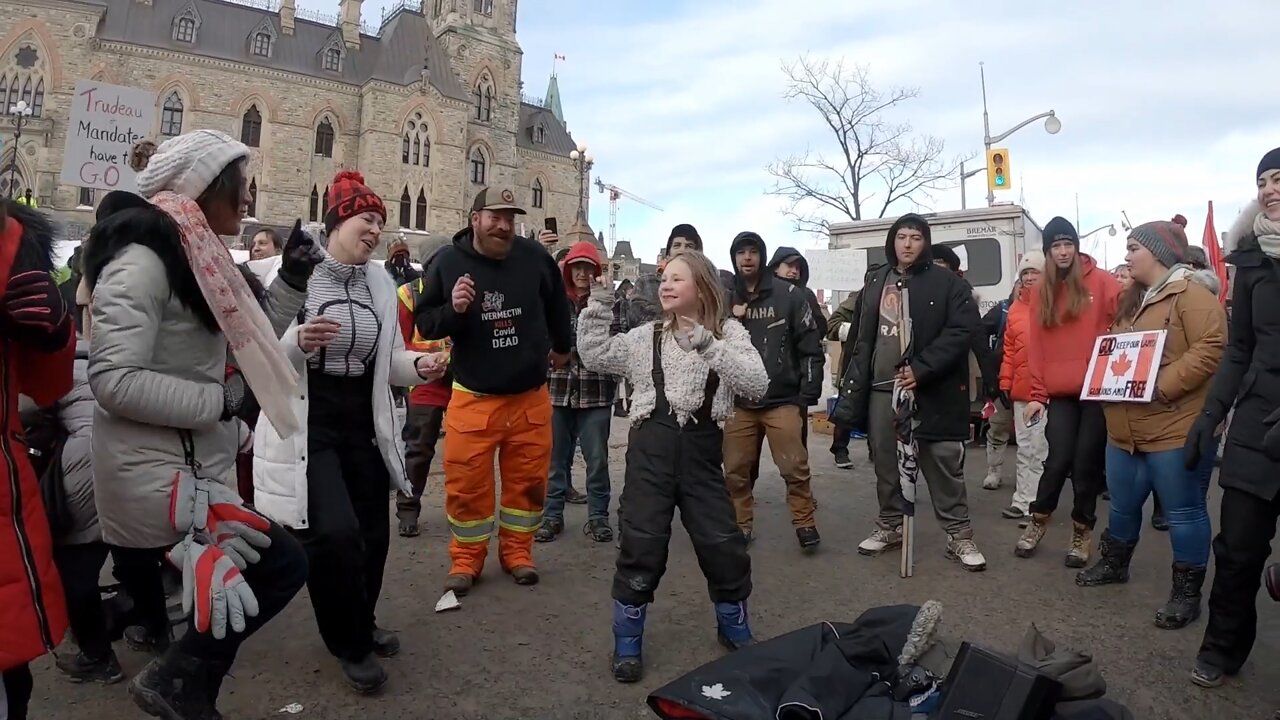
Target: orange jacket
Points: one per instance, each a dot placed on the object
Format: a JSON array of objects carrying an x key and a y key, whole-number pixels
[
  {"x": 437, "y": 392},
  {"x": 1015, "y": 369},
  {"x": 1059, "y": 356}
]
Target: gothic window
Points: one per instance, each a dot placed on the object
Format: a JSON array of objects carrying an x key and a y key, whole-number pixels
[
  {"x": 4, "y": 94},
  {"x": 324, "y": 139},
  {"x": 406, "y": 207},
  {"x": 482, "y": 99},
  {"x": 313, "y": 209},
  {"x": 11, "y": 182},
  {"x": 439, "y": 8},
  {"x": 415, "y": 145},
  {"x": 478, "y": 166},
  {"x": 253, "y": 199},
  {"x": 537, "y": 192},
  {"x": 539, "y": 134},
  {"x": 26, "y": 92},
  {"x": 324, "y": 202},
  {"x": 251, "y": 127},
  {"x": 171, "y": 115},
  {"x": 333, "y": 60},
  {"x": 262, "y": 44},
  {"x": 184, "y": 30},
  {"x": 37, "y": 100},
  {"x": 484, "y": 7},
  {"x": 420, "y": 222},
  {"x": 86, "y": 197}
]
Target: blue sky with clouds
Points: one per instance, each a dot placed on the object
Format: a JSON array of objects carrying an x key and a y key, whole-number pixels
[{"x": 681, "y": 101}]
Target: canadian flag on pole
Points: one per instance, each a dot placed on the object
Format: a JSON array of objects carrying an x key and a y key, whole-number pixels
[
  {"x": 558, "y": 56},
  {"x": 1213, "y": 252}
]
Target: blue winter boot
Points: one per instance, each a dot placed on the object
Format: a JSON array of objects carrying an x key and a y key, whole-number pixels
[
  {"x": 628, "y": 636},
  {"x": 731, "y": 619}
]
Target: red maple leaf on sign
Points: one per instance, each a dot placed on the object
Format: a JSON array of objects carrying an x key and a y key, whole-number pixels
[{"x": 1120, "y": 366}]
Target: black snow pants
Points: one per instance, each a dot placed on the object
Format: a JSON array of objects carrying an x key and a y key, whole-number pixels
[{"x": 669, "y": 467}]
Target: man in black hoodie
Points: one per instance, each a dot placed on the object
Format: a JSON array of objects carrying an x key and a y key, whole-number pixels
[
  {"x": 935, "y": 366},
  {"x": 500, "y": 298},
  {"x": 785, "y": 331}
]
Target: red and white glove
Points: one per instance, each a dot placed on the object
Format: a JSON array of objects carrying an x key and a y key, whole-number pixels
[
  {"x": 212, "y": 588},
  {"x": 34, "y": 311},
  {"x": 215, "y": 513}
]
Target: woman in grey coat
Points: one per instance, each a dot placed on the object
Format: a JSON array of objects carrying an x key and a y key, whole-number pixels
[{"x": 167, "y": 301}]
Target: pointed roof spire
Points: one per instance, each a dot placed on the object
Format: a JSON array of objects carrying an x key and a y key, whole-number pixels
[{"x": 552, "y": 101}]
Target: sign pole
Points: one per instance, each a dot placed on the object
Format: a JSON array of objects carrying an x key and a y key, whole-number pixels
[{"x": 908, "y": 558}]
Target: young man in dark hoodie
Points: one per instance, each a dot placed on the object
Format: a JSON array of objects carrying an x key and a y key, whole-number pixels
[
  {"x": 784, "y": 330},
  {"x": 500, "y": 298},
  {"x": 935, "y": 366}
]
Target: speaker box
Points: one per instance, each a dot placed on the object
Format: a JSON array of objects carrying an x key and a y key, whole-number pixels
[{"x": 984, "y": 685}]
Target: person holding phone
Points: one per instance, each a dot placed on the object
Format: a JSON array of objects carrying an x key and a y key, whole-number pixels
[{"x": 1075, "y": 303}]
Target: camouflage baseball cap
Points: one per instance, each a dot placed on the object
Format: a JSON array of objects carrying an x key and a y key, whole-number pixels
[{"x": 496, "y": 198}]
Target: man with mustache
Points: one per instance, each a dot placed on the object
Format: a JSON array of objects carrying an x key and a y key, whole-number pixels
[{"x": 501, "y": 299}]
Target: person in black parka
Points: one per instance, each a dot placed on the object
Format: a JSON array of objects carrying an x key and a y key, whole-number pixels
[{"x": 1249, "y": 380}]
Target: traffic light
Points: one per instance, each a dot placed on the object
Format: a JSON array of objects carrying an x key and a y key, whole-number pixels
[{"x": 998, "y": 177}]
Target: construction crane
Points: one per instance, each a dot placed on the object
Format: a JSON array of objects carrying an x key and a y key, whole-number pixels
[{"x": 615, "y": 193}]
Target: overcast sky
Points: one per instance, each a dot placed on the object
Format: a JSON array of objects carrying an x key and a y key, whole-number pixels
[{"x": 681, "y": 102}]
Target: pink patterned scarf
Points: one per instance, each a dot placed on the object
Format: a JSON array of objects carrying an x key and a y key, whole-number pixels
[{"x": 257, "y": 352}]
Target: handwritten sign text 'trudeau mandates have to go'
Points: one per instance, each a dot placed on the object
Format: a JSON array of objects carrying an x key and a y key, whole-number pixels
[{"x": 106, "y": 121}]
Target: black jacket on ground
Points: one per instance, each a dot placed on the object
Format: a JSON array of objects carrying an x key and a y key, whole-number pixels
[
  {"x": 944, "y": 316},
  {"x": 1249, "y": 375},
  {"x": 519, "y": 314},
  {"x": 784, "y": 330}
]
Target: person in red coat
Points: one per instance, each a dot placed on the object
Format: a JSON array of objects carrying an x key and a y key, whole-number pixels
[{"x": 37, "y": 351}]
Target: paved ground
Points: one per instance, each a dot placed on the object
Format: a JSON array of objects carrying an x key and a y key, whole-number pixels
[{"x": 542, "y": 652}]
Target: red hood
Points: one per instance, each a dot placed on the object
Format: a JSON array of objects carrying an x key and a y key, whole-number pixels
[{"x": 585, "y": 250}]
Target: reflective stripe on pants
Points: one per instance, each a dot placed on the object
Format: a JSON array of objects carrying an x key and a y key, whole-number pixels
[
  {"x": 525, "y": 521},
  {"x": 471, "y": 531}
]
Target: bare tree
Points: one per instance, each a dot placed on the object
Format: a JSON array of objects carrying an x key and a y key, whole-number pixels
[{"x": 879, "y": 161}]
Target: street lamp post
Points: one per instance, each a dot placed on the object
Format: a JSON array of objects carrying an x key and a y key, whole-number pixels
[
  {"x": 1051, "y": 125},
  {"x": 964, "y": 203},
  {"x": 1111, "y": 231},
  {"x": 20, "y": 112},
  {"x": 582, "y": 162}
]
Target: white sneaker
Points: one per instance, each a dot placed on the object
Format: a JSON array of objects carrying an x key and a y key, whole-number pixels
[
  {"x": 991, "y": 482},
  {"x": 880, "y": 540},
  {"x": 966, "y": 552}
]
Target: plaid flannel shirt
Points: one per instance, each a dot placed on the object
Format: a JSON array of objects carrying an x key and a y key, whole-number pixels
[{"x": 573, "y": 386}]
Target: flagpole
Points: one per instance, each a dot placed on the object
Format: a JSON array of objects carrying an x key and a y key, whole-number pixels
[{"x": 908, "y": 558}]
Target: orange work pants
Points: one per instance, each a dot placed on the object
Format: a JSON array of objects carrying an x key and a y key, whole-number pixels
[{"x": 518, "y": 429}]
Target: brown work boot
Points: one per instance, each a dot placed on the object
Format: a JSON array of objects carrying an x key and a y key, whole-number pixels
[
  {"x": 1081, "y": 542},
  {"x": 1032, "y": 536},
  {"x": 459, "y": 583},
  {"x": 525, "y": 575}
]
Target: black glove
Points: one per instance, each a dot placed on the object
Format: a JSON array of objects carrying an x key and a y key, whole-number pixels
[
  {"x": 1201, "y": 440},
  {"x": 1271, "y": 576},
  {"x": 300, "y": 256},
  {"x": 237, "y": 398},
  {"x": 1002, "y": 397},
  {"x": 34, "y": 311},
  {"x": 1271, "y": 441}
]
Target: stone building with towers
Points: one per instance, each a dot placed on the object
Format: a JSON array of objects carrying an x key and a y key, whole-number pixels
[{"x": 427, "y": 101}]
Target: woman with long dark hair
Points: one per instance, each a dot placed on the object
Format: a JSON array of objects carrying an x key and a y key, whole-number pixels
[
  {"x": 1075, "y": 303},
  {"x": 1145, "y": 440},
  {"x": 1248, "y": 380},
  {"x": 168, "y": 305}
]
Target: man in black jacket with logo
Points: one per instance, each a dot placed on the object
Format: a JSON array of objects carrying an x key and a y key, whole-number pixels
[
  {"x": 943, "y": 315},
  {"x": 784, "y": 330}
]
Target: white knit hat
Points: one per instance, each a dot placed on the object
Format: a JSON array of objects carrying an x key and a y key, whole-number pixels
[
  {"x": 188, "y": 163},
  {"x": 1031, "y": 260}
]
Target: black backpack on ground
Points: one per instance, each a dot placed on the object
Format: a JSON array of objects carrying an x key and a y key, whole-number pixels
[{"x": 45, "y": 438}]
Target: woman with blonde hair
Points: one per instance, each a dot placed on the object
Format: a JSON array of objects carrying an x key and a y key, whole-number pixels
[{"x": 686, "y": 369}]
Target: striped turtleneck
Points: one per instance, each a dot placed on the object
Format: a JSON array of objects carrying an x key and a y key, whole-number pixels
[{"x": 341, "y": 293}]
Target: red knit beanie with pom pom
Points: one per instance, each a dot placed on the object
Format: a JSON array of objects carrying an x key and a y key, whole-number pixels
[{"x": 349, "y": 196}]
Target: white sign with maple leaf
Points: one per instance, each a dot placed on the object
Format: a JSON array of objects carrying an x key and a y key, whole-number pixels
[{"x": 1124, "y": 367}]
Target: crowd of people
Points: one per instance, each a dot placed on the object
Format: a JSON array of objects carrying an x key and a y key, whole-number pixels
[{"x": 241, "y": 427}]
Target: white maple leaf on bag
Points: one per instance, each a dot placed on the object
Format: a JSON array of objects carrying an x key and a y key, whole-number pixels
[{"x": 715, "y": 692}]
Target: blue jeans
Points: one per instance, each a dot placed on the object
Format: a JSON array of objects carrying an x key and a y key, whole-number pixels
[
  {"x": 1131, "y": 478},
  {"x": 589, "y": 428}
]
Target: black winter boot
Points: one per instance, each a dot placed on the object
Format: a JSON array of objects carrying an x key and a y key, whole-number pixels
[
  {"x": 1184, "y": 598},
  {"x": 366, "y": 676},
  {"x": 174, "y": 686},
  {"x": 1113, "y": 563}
]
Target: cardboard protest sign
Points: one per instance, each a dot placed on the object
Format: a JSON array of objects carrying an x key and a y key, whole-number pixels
[{"x": 1124, "y": 367}]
